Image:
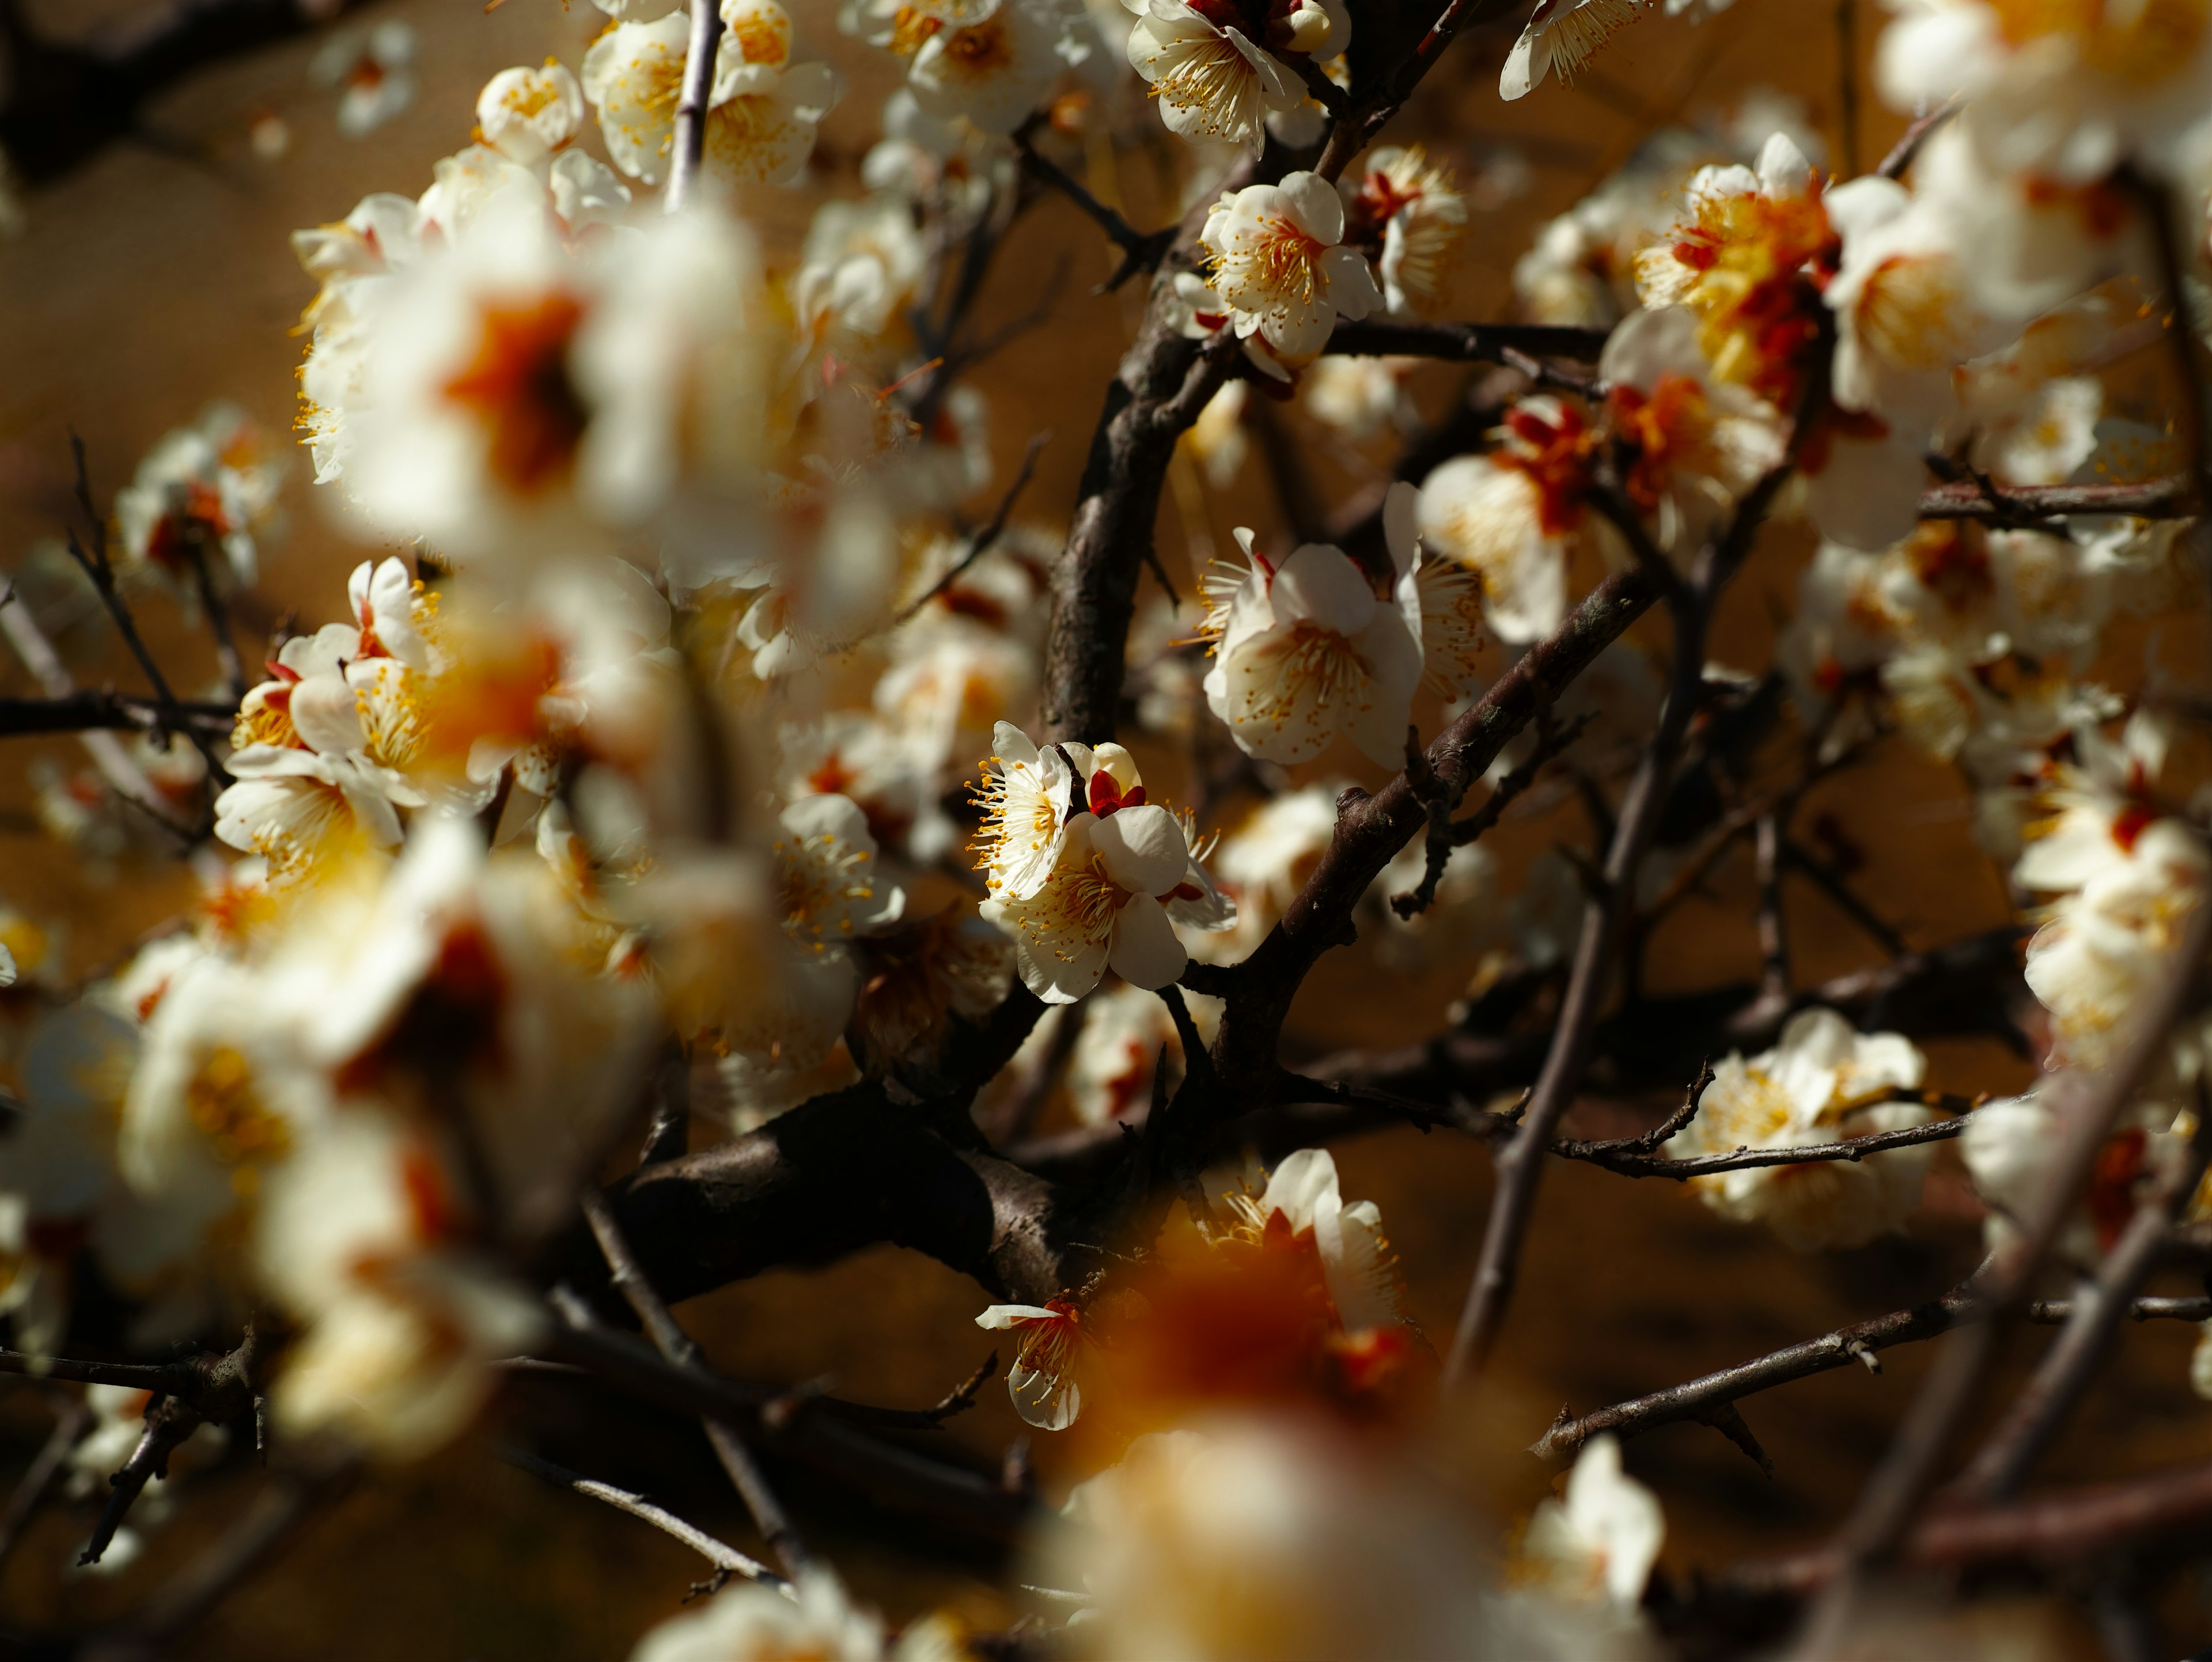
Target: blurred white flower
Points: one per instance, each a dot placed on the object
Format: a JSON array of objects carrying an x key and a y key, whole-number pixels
[{"x": 373, "y": 67}]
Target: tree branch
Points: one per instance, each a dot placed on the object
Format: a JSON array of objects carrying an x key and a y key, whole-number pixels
[
  {"x": 1463, "y": 342},
  {"x": 688, "y": 143},
  {"x": 726, "y": 1559}
]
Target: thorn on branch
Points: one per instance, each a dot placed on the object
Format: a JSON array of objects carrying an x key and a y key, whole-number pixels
[{"x": 1728, "y": 1419}]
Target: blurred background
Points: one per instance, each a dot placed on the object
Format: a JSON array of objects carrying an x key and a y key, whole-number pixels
[{"x": 156, "y": 276}]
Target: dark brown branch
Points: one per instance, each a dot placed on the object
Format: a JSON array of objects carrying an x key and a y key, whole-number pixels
[
  {"x": 1141, "y": 250},
  {"x": 1357, "y": 126},
  {"x": 1605, "y": 915},
  {"x": 895, "y": 1476},
  {"x": 2064, "y": 1528},
  {"x": 1638, "y": 1165},
  {"x": 955, "y": 1403},
  {"x": 1463, "y": 342},
  {"x": 270, "y": 1524},
  {"x": 218, "y": 620},
  {"x": 1839, "y": 1349},
  {"x": 220, "y": 1385},
  {"x": 1162, "y": 383},
  {"x": 2035, "y": 507},
  {"x": 1370, "y": 830},
  {"x": 2055, "y": 1312},
  {"x": 1446, "y": 833},
  {"x": 212, "y": 1390},
  {"x": 688, "y": 147},
  {"x": 2174, "y": 241},
  {"x": 121, "y": 712}
]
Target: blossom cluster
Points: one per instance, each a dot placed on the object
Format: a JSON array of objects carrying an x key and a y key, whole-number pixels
[{"x": 656, "y": 745}]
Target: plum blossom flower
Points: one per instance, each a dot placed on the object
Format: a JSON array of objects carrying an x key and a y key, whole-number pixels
[
  {"x": 1216, "y": 67},
  {"x": 1597, "y": 1545},
  {"x": 833, "y": 889},
  {"x": 1698, "y": 444},
  {"x": 1266, "y": 861},
  {"x": 206, "y": 492},
  {"x": 1118, "y": 1053},
  {"x": 1409, "y": 214},
  {"x": 1906, "y": 311},
  {"x": 1269, "y": 1537},
  {"x": 1305, "y": 651},
  {"x": 2067, "y": 93},
  {"x": 1119, "y": 882},
  {"x": 516, "y": 396},
  {"x": 1029, "y": 795},
  {"x": 1508, "y": 516},
  {"x": 858, "y": 267},
  {"x": 1742, "y": 260},
  {"x": 1303, "y": 1199},
  {"x": 762, "y": 109},
  {"x": 527, "y": 114},
  {"x": 1821, "y": 1082},
  {"x": 1280, "y": 270},
  {"x": 1042, "y": 1380},
  {"x": 1359, "y": 398},
  {"x": 363, "y": 1241},
  {"x": 2107, "y": 943},
  {"x": 1561, "y": 36},
  {"x": 993, "y": 69},
  {"x": 374, "y": 69}
]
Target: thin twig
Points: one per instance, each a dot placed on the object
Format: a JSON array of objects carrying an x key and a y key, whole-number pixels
[
  {"x": 1141, "y": 250},
  {"x": 2159, "y": 205},
  {"x": 2032, "y": 1422},
  {"x": 1839, "y": 1349},
  {"x": 1744, "y": 1159},
  {"x": 1902, "y": 154},
  {"x": 720, "y": 1554},
  {"x": 2086, "y": 1106},
  {"x": 670, "y": 1339},
  {"x": 1773, "y": 926},
  {"x": 74, "y": 1420},
  {"x": 218, "y": 621},
  {"x": 1823, "y": 875},
  {"x": 1519, "y": 1164},
  {"x": 982, "y": 542},
  {"x": 955, "y": 1403},
  {"x": 95, "y": 565}
]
